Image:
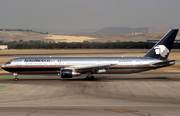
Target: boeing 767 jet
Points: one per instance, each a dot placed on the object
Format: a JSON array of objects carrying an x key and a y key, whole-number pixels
[{"x": 69, "y": 67}]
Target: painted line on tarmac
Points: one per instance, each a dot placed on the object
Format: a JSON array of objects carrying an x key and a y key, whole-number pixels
[
  {"x": 12, "y": 89},
  {"x": 117, "y": 106},
  {"x": 82, "y": 91},
  {"x": 82, "y": 86}
]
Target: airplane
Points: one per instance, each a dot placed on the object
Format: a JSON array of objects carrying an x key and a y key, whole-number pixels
[{"x": 68, "y": 67}]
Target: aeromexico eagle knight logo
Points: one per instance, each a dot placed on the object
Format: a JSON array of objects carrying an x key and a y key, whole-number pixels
[{"x": 162, "y": 50}]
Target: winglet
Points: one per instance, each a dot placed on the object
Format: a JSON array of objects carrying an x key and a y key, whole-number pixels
[{"x": 162, "y": 48}]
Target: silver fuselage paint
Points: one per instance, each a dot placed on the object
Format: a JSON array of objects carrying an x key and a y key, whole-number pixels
[{"x": 53, "y": 65}]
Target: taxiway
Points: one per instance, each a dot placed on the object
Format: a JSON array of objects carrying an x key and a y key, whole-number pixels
[{"x": 142, "y": 94}]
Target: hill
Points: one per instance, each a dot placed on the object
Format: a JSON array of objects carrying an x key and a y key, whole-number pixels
[
  {"x": 21, "y": 35},
  {"x": 121, "y": 30},
  {"x": 127, "y": 30},
  {"x": 136, "y": 34},
  {"x": 7, "y": 36}
]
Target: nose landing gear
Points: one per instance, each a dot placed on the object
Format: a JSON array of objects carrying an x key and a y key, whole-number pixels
[{"x": 15, "y": 77}]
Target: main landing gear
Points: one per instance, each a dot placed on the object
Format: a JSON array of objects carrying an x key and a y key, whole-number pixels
[
  {"x": 15, "y": 76},
  {"x": 89, "y": 76}
]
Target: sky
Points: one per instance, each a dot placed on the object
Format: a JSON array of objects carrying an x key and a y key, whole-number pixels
[{"x": 62, "y": 15}]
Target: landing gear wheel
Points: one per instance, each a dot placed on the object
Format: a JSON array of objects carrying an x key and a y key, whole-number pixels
[
  {"x": 92, "y": 78},
  {"x": 87, "y": 78},
  {"x": 16, "y": 79}
]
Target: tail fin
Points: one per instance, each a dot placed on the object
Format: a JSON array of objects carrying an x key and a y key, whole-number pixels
[{"x": 162, "y": 48}]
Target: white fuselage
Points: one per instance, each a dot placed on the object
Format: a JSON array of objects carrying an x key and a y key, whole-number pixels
[{"x": 49, "y": 65}]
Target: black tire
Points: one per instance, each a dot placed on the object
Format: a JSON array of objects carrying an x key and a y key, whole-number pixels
[
  {"x": 87, "y": 78},
  {"x": 92, "y": 78}
]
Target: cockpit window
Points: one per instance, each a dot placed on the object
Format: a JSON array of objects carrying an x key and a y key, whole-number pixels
[{"x": 8, "y": 62}]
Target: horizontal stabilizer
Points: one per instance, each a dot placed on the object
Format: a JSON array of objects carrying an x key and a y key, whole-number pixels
[{"x": 163, "y": 63}]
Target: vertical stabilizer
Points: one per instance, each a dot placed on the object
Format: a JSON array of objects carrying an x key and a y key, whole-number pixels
[{"x": 162, "y": 48}]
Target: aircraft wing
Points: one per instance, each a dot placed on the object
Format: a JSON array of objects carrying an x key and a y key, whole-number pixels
[{"x": 91, "y": 68}]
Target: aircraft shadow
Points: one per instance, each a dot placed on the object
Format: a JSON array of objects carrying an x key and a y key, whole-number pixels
[{"x": 95, "y": 79}]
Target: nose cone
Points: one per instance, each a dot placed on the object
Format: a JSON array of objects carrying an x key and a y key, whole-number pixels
[
  {"x": 6, "y": 68},
  {"x": 2, "y": 66}
]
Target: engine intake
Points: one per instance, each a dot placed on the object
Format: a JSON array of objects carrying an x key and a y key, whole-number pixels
[{"x": 68, "y": 73}]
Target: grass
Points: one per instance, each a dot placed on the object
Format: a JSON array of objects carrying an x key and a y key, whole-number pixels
[
  {"x": 2, "y": 86},
  {"x": 43, "y": 51},
  {"x": 9, "y": 77}
]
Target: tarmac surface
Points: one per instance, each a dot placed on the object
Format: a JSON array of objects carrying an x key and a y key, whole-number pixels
[{"x": 142, "y": 94}]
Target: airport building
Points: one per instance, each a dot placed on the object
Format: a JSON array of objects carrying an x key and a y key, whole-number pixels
[{"x": 3, "y": 47}]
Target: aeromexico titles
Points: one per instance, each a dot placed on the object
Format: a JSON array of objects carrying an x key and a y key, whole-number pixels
[{"x": 68, "y": 67}]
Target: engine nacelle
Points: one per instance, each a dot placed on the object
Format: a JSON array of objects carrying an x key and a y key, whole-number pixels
[{"x": 68, "y": 73}]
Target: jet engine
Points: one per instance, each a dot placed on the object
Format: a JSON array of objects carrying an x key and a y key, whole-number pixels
[{"x": 68, "y": 73}]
